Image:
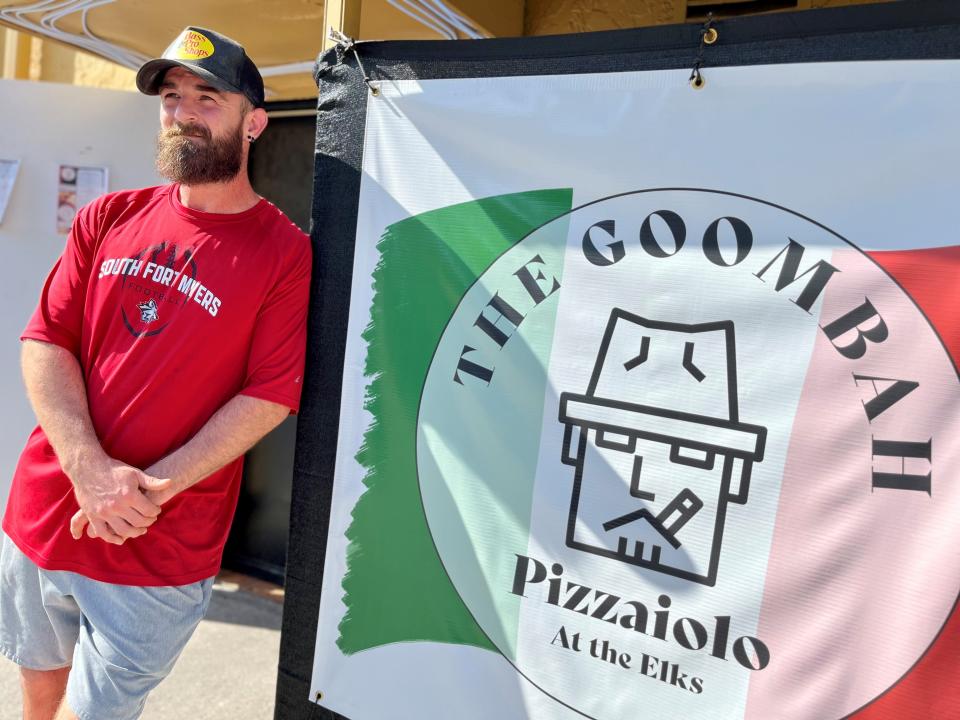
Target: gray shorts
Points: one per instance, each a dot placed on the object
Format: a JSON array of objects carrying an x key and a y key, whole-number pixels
[{"x": 120, "y": 640}]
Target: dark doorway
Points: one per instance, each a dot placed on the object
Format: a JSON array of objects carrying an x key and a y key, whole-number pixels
[{"x": 281, "y": 170}]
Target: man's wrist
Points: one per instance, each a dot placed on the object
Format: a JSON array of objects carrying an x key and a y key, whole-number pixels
[
  {"x": 167, "y": 469},
  {"x": 83, "y": 458}
]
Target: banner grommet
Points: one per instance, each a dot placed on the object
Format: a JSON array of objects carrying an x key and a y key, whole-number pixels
[{"x": 708, "y": 36}]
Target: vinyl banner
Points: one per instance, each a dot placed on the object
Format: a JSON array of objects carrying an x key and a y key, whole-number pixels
[{"x": 650, "y": 404}]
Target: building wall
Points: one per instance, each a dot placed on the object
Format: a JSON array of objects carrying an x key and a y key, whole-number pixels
[
  {"x": 549, "y": 17},
  {"x": 23, "y": 57},
  {"x": 54, "y": 124}
]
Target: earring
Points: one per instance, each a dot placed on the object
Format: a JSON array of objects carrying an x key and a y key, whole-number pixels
[{"x": 250, "y": 138}]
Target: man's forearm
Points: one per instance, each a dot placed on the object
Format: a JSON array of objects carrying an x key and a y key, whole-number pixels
[
  {"x": 109, "y": 492},
  {"x": 56, "y": 390},
  {"x": 228, "y": 434}
]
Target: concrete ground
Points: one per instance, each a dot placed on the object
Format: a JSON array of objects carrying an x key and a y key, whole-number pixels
[{"x": 227, "y": 670}]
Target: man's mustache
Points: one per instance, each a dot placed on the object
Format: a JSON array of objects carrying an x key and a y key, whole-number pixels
[{"x": 179, "y": 130}]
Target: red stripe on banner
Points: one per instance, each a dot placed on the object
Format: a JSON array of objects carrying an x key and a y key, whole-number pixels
[
  {"x": 932, "y": 689},
  {"x": 932, "y": 278}
]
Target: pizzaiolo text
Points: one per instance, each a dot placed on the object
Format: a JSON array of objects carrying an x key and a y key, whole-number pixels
[{"x": 712, "y": 637}]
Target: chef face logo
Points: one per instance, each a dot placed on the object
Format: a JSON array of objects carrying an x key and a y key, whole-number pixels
[
  {"x": 683, "y": 423},
  {"x": 685, "y": 466},
  {"x": 148, "y": 311}
]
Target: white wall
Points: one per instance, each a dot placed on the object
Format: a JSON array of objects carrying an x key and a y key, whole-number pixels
[{"x": 44, "y": 125}]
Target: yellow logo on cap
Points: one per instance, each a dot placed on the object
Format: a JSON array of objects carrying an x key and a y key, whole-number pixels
[{"x": 192, "y": 45}]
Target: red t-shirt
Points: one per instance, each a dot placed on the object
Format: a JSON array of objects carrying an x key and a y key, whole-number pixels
[{"x": 171, "y": 313}]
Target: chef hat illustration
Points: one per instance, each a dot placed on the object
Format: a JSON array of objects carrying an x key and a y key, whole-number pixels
[{"x": 669, "y": 382}]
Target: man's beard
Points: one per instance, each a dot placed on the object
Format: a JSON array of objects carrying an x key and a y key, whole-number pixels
[{"x": 189, "y": 162}]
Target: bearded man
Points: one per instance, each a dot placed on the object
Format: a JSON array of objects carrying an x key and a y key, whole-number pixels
[{"x": 169, "y": 338}]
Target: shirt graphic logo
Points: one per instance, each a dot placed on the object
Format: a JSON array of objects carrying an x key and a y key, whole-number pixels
[
  {"x": 162, "y": 275},
  {"x": 686, "y": 462},
  {"x": 148, "y": 311}
]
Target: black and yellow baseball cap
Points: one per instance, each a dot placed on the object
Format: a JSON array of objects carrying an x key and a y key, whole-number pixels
[{"x": 216, "y": 58}]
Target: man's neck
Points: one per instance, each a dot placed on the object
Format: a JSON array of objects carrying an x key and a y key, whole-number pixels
[{"x": 234, "y": 196}]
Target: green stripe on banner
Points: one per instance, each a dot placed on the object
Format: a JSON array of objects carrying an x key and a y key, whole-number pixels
[{"x": 395, "y": 588}]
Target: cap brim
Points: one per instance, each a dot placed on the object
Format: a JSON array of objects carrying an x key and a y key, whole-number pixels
[{"x": 150, "y": 76}]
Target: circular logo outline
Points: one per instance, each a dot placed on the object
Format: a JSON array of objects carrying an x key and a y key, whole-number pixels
[{"x": 953, "y": 363}]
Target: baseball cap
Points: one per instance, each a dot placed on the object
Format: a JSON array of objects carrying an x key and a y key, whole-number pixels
[{"x": 216, "y": 58}]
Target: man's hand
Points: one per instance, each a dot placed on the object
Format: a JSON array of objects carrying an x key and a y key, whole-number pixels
[
  {"x": 163, "y": 469},
  {"x": 113, "y": 499},
  {"x": 231, "y": 431}
]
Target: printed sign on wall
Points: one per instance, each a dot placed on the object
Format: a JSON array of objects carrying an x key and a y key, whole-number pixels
[
  {"x": 634, "y": 429},
  {"x": 78, "y": 187}
]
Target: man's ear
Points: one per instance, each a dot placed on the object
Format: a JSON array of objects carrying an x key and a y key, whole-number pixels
[{"x": 255, "y": 123}]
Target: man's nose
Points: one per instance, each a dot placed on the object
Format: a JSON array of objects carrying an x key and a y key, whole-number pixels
[{"x": 185, "y": 112}]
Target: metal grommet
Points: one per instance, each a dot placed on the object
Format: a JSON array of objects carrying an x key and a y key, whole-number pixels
[
  {"x": 698, "y": 82},
  {"x": 374, "y": 90},
  {"x": 710, "y": 36}
]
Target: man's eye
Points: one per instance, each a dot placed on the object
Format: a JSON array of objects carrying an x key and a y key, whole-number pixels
[{"x": 170, "y": 96}]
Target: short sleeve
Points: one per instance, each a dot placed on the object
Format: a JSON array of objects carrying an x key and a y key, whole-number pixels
[
  {"x": 58, "y": 318},
  {"x": 276, "y": 359}
]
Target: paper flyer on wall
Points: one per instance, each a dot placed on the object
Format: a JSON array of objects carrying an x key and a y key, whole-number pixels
[{"x": 78, "y": 186}]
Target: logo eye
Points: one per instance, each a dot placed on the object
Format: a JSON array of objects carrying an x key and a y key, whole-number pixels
[{"x": 641, "y": 358}]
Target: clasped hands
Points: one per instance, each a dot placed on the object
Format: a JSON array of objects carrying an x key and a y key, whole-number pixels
[{"x": 118, "y": 501}]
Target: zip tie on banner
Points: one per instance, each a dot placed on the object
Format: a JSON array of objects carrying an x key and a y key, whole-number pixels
[
  {"x": 347, "y": 44},
  {"x": 708, "y": 36}
]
